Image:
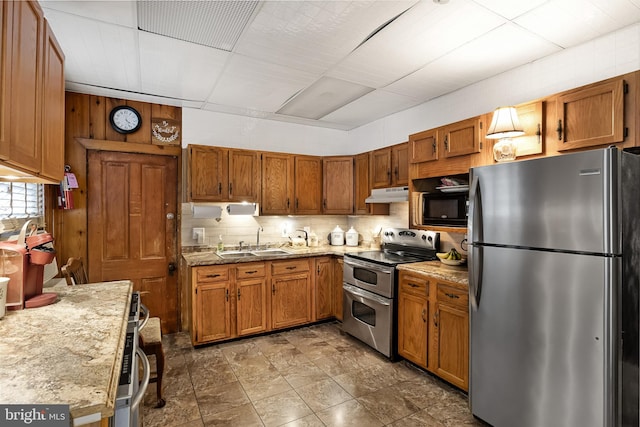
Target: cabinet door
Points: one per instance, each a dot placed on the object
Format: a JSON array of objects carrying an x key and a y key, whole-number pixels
[
  {"x": 308, "y": 185},
  {"x": 6, "y": 26},
  {"x": 452, "y": 345},
  {"x": 324, "y": 287},
  {"x": 52, "y": 109},
  {"x": 213, "y": 312},
  {"x": 413, "y": 315},
  {"x": 593, "y": 115},
  {"x": 244, "y": 176},
  {"x": 338, "y": 273},
  {"x": 277, "y": 184},
  {"x": 337, "y": 173},
  {"x": 423, "y": 146},
  {"x": 400, "y": 164},
  {"x": 381, "y": 168},
  {"x": 251, "y": 306},
  {"x": 26, "y": 85},
  {"x": 363, "y": 189},
  {"x": 290, "y": 300},
  {"x": 207, "y": 178},
  {"x": 461, "y": 138}
]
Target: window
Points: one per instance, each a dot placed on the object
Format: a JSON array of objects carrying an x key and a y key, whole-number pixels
[{"x": 20, "y": 200}]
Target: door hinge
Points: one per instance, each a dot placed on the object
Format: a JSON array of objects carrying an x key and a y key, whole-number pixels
[{"x": 625, "y": 87}]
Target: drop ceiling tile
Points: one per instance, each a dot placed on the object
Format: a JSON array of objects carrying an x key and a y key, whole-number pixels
[
  {"x": 508, "y": 8},
  {"x": 114, "y": 12},
  {"x": 178, "y": 69},
  {"x": 97, "y": 53},
  {"x": 422, "y": 34},
  {"x": 511, "y": 47},
  {"x": 571, "y": 22},
  {"x": 257, "y": 85},
  {"x": 372, "y": 106},
  {"x": 313, "y": 36}
]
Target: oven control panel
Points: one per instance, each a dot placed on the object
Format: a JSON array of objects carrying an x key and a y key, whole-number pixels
[{"x": 409, "y": 237}]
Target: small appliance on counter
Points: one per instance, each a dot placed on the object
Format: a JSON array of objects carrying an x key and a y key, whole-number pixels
[{"x": 23, "y": 261}]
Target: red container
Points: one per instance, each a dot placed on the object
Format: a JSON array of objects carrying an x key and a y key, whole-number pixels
[
  {"x": 40, "y": 257},
  {"x": 38, "y": 239}
]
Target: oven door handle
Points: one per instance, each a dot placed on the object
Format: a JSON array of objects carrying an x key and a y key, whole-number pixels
[
  {"x": 146, "y": 375},
  {"x": 367, "y": 295},
  {"x": 369, "y": 265}
]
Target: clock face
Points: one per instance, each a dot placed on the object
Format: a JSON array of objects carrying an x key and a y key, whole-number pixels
[{"x": 125, "y": 119}]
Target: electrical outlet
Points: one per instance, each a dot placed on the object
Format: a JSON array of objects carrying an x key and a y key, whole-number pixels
[{"x": 198, "y": 233}]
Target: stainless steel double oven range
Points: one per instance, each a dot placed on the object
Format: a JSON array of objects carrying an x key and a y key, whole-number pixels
[{"x": 370, "y": 285}]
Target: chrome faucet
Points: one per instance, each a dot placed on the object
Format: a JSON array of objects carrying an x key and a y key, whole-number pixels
[
  {"x": 241, "y": 244},
  {"x": 258, "y": 237}
]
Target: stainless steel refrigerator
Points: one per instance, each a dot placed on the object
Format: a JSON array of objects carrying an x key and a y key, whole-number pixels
[{"x": 553, "y": 279}]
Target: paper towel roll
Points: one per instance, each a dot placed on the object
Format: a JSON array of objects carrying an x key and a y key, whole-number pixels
[
  {"x": 241, "y": 209},
  {"x": 206, "y": 211}
]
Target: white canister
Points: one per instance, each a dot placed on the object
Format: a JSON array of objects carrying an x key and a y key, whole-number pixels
[
  {"x": 352, "y": 237},
  {"x": 337, "y": 236},
  {"x": 4, "y": 283}
]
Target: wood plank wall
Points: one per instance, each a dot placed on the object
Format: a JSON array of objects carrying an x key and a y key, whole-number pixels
[{"x": 87, "y": 117}]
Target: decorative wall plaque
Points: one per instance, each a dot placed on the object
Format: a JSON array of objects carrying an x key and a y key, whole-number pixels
[{"x": 165, "y": 132}]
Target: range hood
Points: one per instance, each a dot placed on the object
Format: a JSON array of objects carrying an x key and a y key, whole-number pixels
[{"x": 388, "y": 195}]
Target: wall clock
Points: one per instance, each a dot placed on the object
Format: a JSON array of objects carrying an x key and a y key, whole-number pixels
[{"x": 125, "y": 119}]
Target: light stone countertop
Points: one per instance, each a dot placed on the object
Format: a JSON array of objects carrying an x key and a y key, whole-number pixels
[
  {"x": 69, "y": 352},
  {"x": 209, "y": 257},
  {"x": 456, "y": 274}
]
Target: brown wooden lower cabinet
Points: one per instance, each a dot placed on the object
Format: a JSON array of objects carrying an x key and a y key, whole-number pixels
[
  {"x": 290, "y": 293},
  {"x": 212, "y": 308},
  {"x": 324, "y": 287},
  {"x": 251, "y": 299},
  {"x": 433, "y": 326},
  {"x": 338, "y": 271}
]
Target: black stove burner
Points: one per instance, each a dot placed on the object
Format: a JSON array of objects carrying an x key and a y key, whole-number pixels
[{"x": 392, "y": 258}]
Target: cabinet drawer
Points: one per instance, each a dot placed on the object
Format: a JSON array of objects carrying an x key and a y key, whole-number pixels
[
  {"x": 287, "y": 267},
  {"x": 211, "y": 274},
  {"x": 414, "y": 285},
  {"x": 453, "y": 296},
  {"x": 250, "y": 271}
]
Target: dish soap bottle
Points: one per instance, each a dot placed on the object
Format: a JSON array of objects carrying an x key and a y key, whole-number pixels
[{"x": 220, "y": 244}]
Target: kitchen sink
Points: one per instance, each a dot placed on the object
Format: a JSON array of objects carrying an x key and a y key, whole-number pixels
[
  {"x": 236, "y": 254},
  {"x": 270, "y": 252}
]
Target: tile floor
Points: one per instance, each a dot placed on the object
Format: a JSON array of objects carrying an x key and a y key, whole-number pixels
[{"x": 313, "y": 376}]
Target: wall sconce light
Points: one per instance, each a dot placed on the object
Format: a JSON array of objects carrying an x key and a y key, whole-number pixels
[{"x": 504, "y": 126}]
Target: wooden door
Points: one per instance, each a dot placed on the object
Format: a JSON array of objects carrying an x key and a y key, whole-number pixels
[
  {"x": 213, "y": 312},
  {"x": 337, "y": 173},
  {"x": 400, "y": 164},
  {"x": 251, "y": 306},
  {"x": 423, "y": 146},
  {"x": 413, "y": 315},
  {"x": 26, "y": 85},
  {"x": 244, "y": 176},
  {"x": 452, "y": 358},
  {"x": 590, "y": 116},
  {"x": 381, "y": 168},
  {"x": 208, "y": 175},
  {"x": 132, "y": 209},
  {"x": 6, "y": 26},
  {"x": 308, "y": 185},
  {"x": 52, "y": 109},
  {"x": 324, "y": 287},
  {"x": 277, "y": 184}
]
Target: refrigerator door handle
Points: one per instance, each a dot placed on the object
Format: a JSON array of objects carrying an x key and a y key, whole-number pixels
[{"x": 474, "y": 229}]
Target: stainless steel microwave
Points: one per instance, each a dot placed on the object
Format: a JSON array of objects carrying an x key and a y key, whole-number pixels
[{"x": 445, "y": 209}]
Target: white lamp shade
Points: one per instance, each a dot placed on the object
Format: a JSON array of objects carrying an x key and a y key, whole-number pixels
[{"x": 505, "y": 124}]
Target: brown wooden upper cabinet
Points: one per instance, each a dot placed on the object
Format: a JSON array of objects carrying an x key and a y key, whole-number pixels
[
  {"x": 591, "y": 115},
  {"x": 461, "y": 138},
  {"x": 220, "y": 174},
  {"x": 307, "y": 185},
  {"x": 277, "y": 184},
  {"x": 390, "y": 166},
  {"x": 423, "y": 146},
  {"x": 31, "y": 92},
  {"x": 337, "y": 173},
  {"x": 363, "y": 188}
]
